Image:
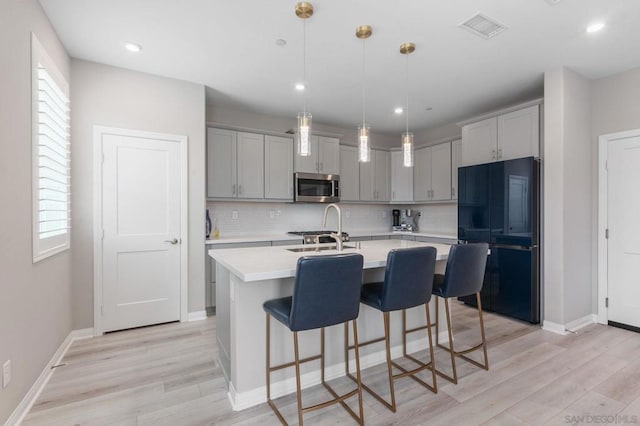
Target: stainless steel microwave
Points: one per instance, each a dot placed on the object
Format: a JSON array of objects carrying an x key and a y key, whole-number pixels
[{"x": 316, "y": 188}]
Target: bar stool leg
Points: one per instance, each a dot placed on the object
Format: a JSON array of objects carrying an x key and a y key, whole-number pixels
[
  {"x": 387, "y": 343},
  {"x": 298, "y": 387},
  {"x": 358, "y": 376},
  {"x": 431, "y": 355},
  {"x": 484, "y": 339},
  {"x": 452, "y": 352}
]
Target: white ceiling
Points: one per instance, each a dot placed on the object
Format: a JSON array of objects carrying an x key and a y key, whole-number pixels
[{"x": 230, "y": 46}]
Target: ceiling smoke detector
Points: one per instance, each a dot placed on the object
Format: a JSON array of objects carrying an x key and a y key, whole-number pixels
[
  {"x": 553, "y": 2},
  {"x": 483, "y": 26}
]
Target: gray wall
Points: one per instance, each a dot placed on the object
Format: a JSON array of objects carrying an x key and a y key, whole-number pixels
[
  {"x": 108, "y": 96},
  {"x": 35, "y": 313},
  {"x": 567, "y": 197},
  {"x": 615, "y": 108}
]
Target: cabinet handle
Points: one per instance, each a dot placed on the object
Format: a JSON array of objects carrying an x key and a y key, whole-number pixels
[
  {"x": 453, "y": 192},
  {"x": 233, "y": 189},
  {"x": 321, "y": 166},
  {"x": 499, "y": 152},
  {"x": 240, "y": 189},
  {"x": 393, "y": 194},
  {"x": 493, "y": 154}
]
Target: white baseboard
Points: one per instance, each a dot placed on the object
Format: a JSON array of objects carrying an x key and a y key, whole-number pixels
[
  {"x": 571, "y": 326},
  {"x": 34, "y": 392},
  {"x": 243, "y": 400},
  {"x": 554, "y": 327},
  {"x": 581, "y": 322},
  {"x": 197, "y": 316}
]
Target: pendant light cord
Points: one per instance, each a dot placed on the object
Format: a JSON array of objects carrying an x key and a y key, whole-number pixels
[
  {"x": 407, "y": 55},
  {"x": 304, "y": 65},
  {"x": 363, "y": 84}
]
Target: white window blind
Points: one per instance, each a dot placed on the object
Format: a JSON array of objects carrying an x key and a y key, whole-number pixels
[{"x": 51, "y": 157}]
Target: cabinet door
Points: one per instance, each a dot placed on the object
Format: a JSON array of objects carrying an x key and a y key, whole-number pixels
[
  {"x": 456, "y": 161},
  {"x": 367, "y": 179},
  {"x": 518, "y": 134},
  {"x": 422, "y": 174},
  {"x": 250, "y": 165},
  {"x": 479, "y": 142},
  {"x": 441, "y": 172},
  {"x": 401, "y": 179},
  {"x": 307, "y": 164},
  {"x": 328, "y": 155},
  {"x": 349, "y": 174},
  {"x": 278, "y": 168},
  {"x": 221, "y": 163},
  {"x": 382, "y": 175}
]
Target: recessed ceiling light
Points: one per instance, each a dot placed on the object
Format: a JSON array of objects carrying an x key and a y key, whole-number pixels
[
  {"x": 281, "y": 42},
  {"x": 398, "y": 110},
  {"x": 132, "y": 47},
  {"x": 595, "y": 27},
  {"x": 300, "y": 86}
]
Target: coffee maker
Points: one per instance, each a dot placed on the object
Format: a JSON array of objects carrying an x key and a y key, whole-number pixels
[{"x": 395, "y": 213}]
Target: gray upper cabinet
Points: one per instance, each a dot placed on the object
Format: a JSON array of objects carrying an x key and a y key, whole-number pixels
[
  {"x": 349, "y": 174},
  {"x": 324, "y": 158},
  {"x": 375, "y": 177},
  {"x": 432, "y": 173},
  {"x": 401, "y": 179},
  {"x": 515, "y": 134},
  {"x": 278, "y": 168},
  {"x": 250, "y": 165},
  {"x": 221, "y": 163},
  {"x": 456, "y": 161}
]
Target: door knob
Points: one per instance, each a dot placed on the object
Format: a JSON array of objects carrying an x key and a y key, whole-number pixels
[{"x": 173, "y": 241}]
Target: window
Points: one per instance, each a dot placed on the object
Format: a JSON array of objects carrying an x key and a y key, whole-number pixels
[{"x": 51, "y": 177}]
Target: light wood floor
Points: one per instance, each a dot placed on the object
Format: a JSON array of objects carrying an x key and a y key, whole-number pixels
[{"x": 168, "y": 375}]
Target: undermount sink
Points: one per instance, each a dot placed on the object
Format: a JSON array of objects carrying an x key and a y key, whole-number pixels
[{"x": 319, "y": 248}]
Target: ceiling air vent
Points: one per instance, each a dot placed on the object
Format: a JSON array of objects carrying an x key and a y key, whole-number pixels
[{"x": 483, "y": 26}]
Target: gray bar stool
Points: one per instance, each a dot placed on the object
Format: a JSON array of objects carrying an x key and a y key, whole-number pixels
[
  {"x": 326, "y": 292},
  {"x": 408, "y": 282},
  {"x": 463, "y": 276}
]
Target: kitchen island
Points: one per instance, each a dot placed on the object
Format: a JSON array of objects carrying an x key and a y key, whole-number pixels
[{"x": 247, "y": 277}]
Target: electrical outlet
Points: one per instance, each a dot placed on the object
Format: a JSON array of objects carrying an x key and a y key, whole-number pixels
[
  {"x": 348, "y": 214},
  {"x": 234, "y": 214},
  {"x": 272, "y": 214},
  {"x": 6, "y": 373}
]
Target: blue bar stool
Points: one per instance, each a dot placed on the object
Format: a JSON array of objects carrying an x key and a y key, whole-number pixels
[
  {"x": 463, "y": 276},
  {"x": 326, "y": 292},
  {"x": 408, "y": 282}
]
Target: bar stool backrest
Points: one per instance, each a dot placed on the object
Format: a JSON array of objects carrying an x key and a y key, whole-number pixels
[
  {"x": 465, "y": 269},
  {"x": 326, "y": 291},
  {"x": 408, "y": 278}
]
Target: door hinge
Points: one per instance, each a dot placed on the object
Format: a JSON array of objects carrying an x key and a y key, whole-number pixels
[
  {"x": 606, "y": 233},
  {"x": 606, "y": 302}
]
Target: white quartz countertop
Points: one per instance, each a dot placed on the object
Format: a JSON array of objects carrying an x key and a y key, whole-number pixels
[
  {"x": 249, "y": 238},
  {"x": 264, "y": 263}
]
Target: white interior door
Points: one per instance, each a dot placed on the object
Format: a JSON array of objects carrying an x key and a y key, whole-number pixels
[
  {"x": 141, "y": 207},
  {"x": 624, "y": 231}
]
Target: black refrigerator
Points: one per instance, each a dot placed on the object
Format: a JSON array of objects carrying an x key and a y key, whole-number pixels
[{"x": 498, "y": 203}]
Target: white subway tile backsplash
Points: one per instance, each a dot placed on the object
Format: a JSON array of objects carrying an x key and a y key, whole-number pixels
[{"x": 282, "y": 217}]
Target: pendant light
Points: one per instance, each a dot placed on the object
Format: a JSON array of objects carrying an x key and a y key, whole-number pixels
[
  {"x": 407, "y": 137},
  {"x": 363, "y": 32},
  {"x": 304, "y": 10}
]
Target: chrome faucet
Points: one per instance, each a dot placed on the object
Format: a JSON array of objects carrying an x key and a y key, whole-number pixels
[{"x": 336, "y": 236}]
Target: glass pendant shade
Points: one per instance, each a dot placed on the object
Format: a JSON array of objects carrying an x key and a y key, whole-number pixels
[
  {"x": 364, "y": 148},
  {"x": 407, "y": 149},
  {"x": 304, "y": 134}
]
